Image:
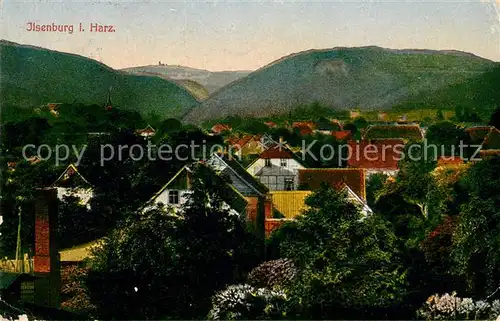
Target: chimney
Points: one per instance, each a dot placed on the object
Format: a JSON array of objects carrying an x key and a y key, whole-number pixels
[{"x": 46, "y": 265}]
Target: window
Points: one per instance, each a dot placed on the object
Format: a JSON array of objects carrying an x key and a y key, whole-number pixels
[
  {"x": 173, "y": 197},
  {"x": 289, "y": 186},
  {"x": 283, "y": 162},
  {"x": 267, "y": 162}
]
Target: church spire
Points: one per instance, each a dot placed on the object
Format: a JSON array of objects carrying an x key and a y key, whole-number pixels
[{"x": 109, "y": 105}]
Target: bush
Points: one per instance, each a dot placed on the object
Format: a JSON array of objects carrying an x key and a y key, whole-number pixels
[
  {"x": 272, "y": 274},
  {"x": 245, "y": 302},
  {"x": 450, "y": 306}
]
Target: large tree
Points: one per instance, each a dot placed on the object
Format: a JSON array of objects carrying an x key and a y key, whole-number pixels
[
  {"x": 347, "y": 263},
  {"x": 477, "y": 239},
  {"x": 159, "y": 264}
]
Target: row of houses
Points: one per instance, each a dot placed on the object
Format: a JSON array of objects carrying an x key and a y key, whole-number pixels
[
  {"x": 275, "y": 185},
  {"x": 277, "y": 181},
  {"x": 325, "y": 126}
]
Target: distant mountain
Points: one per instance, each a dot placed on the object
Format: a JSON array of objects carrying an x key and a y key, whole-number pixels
[
  {"x": 211, "y": 80},
  {"x": 368, "y": 78},
  {"x": 32, "y": 76},
  {"x": 194, "y": 88}
]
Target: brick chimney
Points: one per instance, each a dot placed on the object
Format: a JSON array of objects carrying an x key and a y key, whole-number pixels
[{"x": 46, "y": 264}]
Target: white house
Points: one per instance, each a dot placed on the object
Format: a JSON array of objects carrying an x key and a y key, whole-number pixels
[
  {"x": 277, "y": 168},
  {"x": 72, "y": 183},
  {"x": 175, "y": 193}
]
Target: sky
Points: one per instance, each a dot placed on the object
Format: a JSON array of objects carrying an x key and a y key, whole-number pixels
[{"x": 237, "y": 35}]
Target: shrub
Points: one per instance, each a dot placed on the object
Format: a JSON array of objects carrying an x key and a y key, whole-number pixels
[
  {"x": 245, "y": 302},
  {"x": 272, "y": 274},
  {"x": 450, "y": 306}
]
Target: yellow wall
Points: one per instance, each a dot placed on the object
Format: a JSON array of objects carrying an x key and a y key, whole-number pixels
[{"x": 289, "y": 203}]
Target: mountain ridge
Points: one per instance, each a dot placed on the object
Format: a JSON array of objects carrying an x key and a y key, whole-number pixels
[
  {"x": 369, "y": 77},
  {"x": 33, "y": 76}
]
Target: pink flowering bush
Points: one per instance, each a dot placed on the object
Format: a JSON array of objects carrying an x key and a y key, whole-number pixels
[{"x": 450, "y": 306}]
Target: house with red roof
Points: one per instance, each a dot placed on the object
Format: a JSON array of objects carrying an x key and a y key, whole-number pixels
[
  {"x": 341, "y": 135},
  {"x": 146, "y": 132},
  {"x": 376, "y": 156},
  {"x": 488, "y": 153},
  {"x": 54, "y": 108},
  {"x": 219, "y": 128},
  {"x": 277, "y": 168},
  {"x": 270, "y": 124},
  {"x": 301, "y": 124},
  {"x": 304, "y": 128},
  {"x": 245, "y": 145},
  {"x": 491, "y": 140},
  {"x": 477, "y": 134},
  {"x": 382, "y": 116},
  {"x": 354, "y": 114},
  {"x": 349, "y": 180}
]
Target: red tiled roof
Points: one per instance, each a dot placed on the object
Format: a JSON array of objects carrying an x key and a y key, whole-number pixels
[
  {"x": 304, "y": 124},
  {"x": 305, "y": 131},
  {"x": 218, "y": 128},
  {"x": 449, "y": 161},
  {"x": 270, "y": 124},
  {"x": 238, "y": 143},
  {"x": 277, "y": 151},
  {"x": 341, "y": 134},
  {"x": 486, "y": 154},
  {"x": 53, "y": 106},
  {"x": 34, "y": 159},
  {"x": 146, "y": 131},
  {"x": 376, "y": 154},
  {"x": 478, "y": 133},
  {"x": 335, "y": 177}
]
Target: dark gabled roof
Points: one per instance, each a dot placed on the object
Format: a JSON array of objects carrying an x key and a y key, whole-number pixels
[
  {"x": 240, "y": 171},
  {"x": 310, "y": 179},
  {"x": 234, "y": 198},
  {"x": 410, "y": 132},
  {"x": 155, "y": 196},
  {"x": 230, "y": 195}
]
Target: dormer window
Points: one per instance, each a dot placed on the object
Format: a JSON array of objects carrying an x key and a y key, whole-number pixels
[
  {"x": 283, "y": 162},
  {"x": 267, "y": 162}
]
